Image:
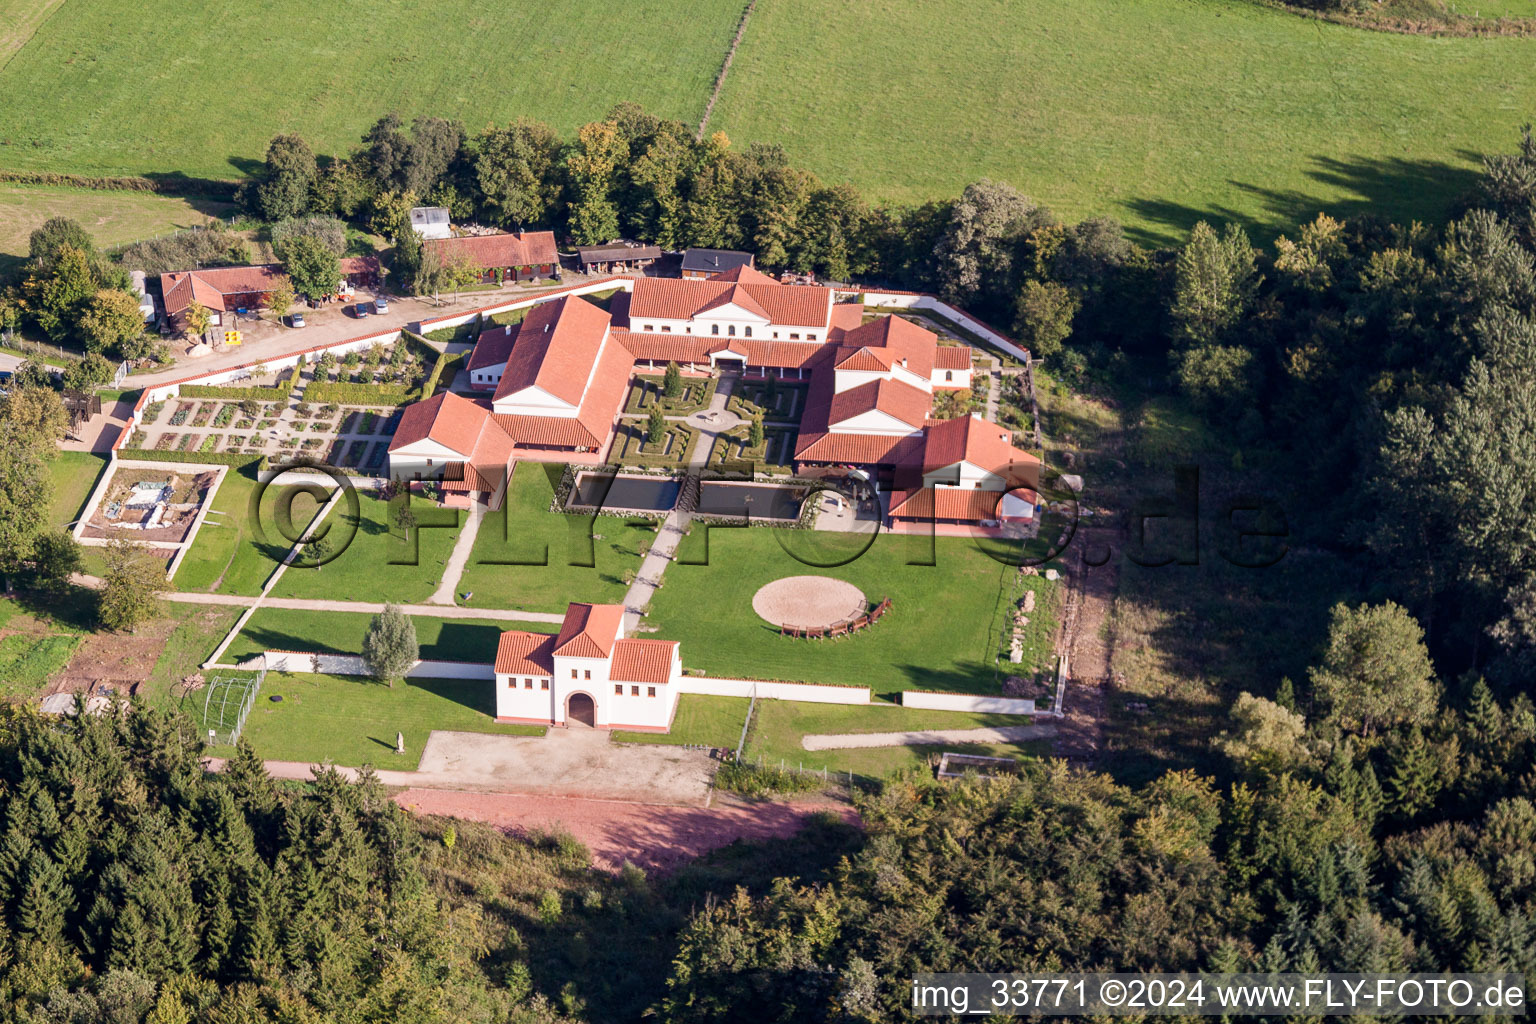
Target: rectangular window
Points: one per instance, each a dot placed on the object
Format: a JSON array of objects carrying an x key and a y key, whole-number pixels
[
  {"x": 527, "y": 684},
  {"x": 543, "y": 684},
  {"x": 810, "y": 337},
  {"x": 511, "y": 684},
  {"x": 634, "y": 691},
  {"x": 573, "y": 673},
  {"x": 649, "y": 327},
  {"x": 714, "y": 328},
  {"x": 794, "y": 335},
  {"x": 650, "y": 691},
  {"x": 587, "y": 674},
  {"x": 618, "y": 689},
  {"x": 666, "y": 329},
  {"x": 732, "y": 330}
]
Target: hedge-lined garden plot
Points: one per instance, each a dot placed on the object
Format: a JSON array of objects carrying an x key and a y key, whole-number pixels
[
  {"x": 392, "y": 374},
  {"x": 775, "y": 455},
  {"x": 630, "y": 447},
  {"x": 776, "y": 401},
  {"x": 645, "y": 391}
]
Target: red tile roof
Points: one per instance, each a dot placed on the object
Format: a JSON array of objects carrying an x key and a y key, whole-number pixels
[
  {"x": 492, "y": 348},
  {"x": 520, "y": 653},
  {"x": 925, "y": 503},
  {"x": 847, "y": 315},
  {"x": 895, "y": 398},
  {"x": 642, "y": 661},
  {"x": 736, "y": 296},
  {"x": 681, "y": 299},
  {"x": 448, "y": 419},
  {"x": 890, "y": 339},
  {"x": 658, "y": 347},
  {"x": 975, "y": 440},
  {"x": 353, "y": 266},
  {"x": 531, "y": 248},
  {"x": 556, "y": 347},
  {"x": 952, "y": 357},
  {"x": 589, "y": 630},
  {"x": 857, "y": 449},
  {"x": 208, "y": 287}
]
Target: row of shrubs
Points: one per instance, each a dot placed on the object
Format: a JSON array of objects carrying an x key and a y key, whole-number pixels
[
  {"x": 279, "y": 393},
  {"x": 171, "y": 184}
]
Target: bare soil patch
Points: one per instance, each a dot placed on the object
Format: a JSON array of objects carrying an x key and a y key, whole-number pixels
[
  {"x": 117, "y": 662},
  {"x": 806, "y": 601},
  {"x": 656, "y": 838}
]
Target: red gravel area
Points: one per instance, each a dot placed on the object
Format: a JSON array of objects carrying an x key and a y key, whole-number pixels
[{"x": 656, "y": 838}]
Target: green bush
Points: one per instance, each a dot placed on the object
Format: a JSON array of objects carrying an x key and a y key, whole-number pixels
[
  {"x": 753, "y": 780},
  {"x": 279, "y": 393},
  {"x": 211, "y": 458}
]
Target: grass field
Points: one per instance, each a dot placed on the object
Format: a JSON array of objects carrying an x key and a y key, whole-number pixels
[
  {"x": 779, "y": 725},
  {"x": 375, "y": 563},
  {"x": 110, "y": 217},
  {"x": 342, "y": 633},
  {"x": 525, "y": 531},
  {"x": 103, "y": 88},
  {"x": 353, "y": 721},
  {"x": 942, "y": 632},
  {"x": 1157, "y": 112},
  {"x": 701, "y": 719},
  {"x": 228, "y": 557},
  {"x": 74, "y": 476}
]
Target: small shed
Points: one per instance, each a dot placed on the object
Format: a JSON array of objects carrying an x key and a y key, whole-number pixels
[
  {"x": 617, "y": 257},
  {"x": 702, "y": 263},
  {"x": 431, "y": 222}
]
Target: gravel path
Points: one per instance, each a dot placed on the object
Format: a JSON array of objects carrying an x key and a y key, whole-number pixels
[
  {"x": 931, "y": 737},
  {"x": 656, "y": 838}
]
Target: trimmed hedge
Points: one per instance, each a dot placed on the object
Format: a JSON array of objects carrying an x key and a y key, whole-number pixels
[
  {"x": 210, "y": 458},
  {"x": 347, "y": 393},
  {"x": 279, "y": 393}
]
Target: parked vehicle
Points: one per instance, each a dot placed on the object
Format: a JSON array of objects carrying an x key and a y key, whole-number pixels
[
  {"x": 381, "y": 305},
  {"x": 361, "y": 310},
  {"x": 296, "y": 320}
]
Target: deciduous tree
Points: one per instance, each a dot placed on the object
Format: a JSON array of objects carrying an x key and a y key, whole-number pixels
[
  {"x": 132, "y": 584},
  {"x": 111, "y": 320},
  {"x": 390, "y": 648},
  {"x": 1375, "y": 670}
]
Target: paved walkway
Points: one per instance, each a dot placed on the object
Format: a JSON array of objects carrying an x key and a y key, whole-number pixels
[
  {"x": 931, "y": 737},
  {"x": 711, "y": 422},
  {"x": 454, "y": 570}
]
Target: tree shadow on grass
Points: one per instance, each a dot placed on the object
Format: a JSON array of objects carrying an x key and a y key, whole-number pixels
[
  {"x": 1398, "y": 189},
  {"x": 465, "y": 640}
]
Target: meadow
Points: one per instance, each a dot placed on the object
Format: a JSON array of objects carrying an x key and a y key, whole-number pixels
[
  {"x": 100, "y": 87},
  {"x": 112, "y": 218},
  {"x": 1158, "y": 113}
]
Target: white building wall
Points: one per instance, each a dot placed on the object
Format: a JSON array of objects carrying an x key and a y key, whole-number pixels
[
  {"x": 966, "y": 475},
  {"x": 873, "y": 422},
  {"x": 590, "y": 677},
  {"x": 488, "y": 376},
  {"x": 515, "y": 698},
  {"x": 967, "y": 702},
  {"x": 956, "y": 379}
]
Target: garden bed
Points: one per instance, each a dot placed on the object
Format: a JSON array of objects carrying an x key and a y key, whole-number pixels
[{"x": 631, "y": 449}]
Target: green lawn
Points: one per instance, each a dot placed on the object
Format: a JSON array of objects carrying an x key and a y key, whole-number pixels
[
  {"x": 27, "y": 660},
  {"x": 779, "y": 725},
  {"x": 526, "y": 531},
  {"x": 83, "y": 96},
  {"x": 700, "y": 719},
  {"x": 74, "y": 476},
  {"x": 110, "y": 217},
  {"x": 353, "y": 721},
  {"x": 942, "y": 633},
  {"x": 228, "y": 556},
  {"x": 375, "y": 562},
  {"x": 342, "y": 633},
  {"x": 1157, "y": 112}
]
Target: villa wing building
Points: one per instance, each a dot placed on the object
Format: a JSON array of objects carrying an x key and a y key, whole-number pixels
[
  {"x": 588, "y": 674},
  {"x": 551, "y": 388}
]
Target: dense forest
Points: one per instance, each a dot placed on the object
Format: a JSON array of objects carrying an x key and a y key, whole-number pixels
[{"x": 1376, "y": 813}]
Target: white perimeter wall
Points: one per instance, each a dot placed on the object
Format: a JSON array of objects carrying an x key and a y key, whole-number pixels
[
  {"x": 352, "y": 665},
  {"x": 437, "y": 323},
  {"x": 943, "y": 310},
  {"x": 967, "y": 702},
  {"x": 813, "y": 693}
]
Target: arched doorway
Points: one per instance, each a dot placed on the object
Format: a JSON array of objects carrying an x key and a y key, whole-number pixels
[{"x": 580, "y": 711}]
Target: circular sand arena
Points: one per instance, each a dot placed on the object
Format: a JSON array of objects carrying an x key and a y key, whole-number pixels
[{"x": 807, "y": 601}]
